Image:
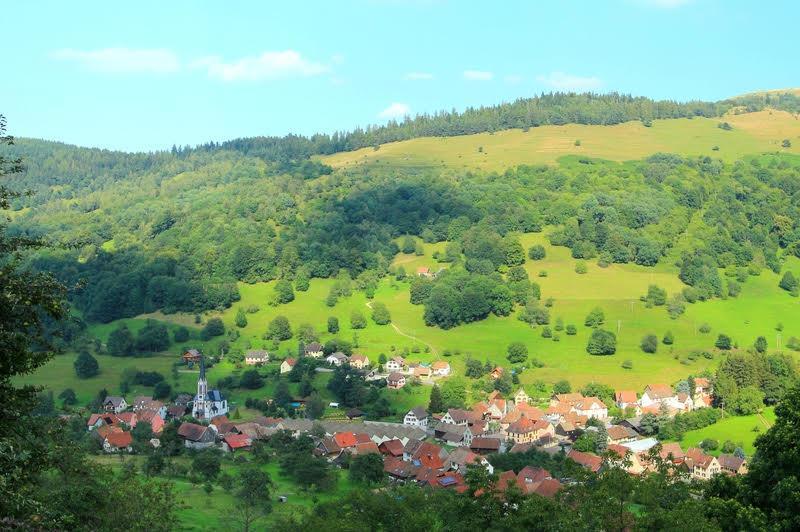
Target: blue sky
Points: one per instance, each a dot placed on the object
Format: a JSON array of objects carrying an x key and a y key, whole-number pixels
[{"x": 152, "y": 74}]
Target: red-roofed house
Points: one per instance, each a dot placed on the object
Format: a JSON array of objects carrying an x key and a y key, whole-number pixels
[
  {"x": 236, "y": 442},
  {"x": 345, "y": 439},
  {"x": 591, "y": 407},
  {"x": 441, "y": 368},
  {"x": 395, "y": 380},
  {"x": 287, "y": 365},
  {"x": 590, "y": 461},
  {"x": 117, "y": 442},
  {"x": 391, "y": 448},
  {"x": 625, "y": 399}
]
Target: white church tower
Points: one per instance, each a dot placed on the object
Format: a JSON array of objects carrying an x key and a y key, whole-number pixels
[{"x": 207, "y": 404}]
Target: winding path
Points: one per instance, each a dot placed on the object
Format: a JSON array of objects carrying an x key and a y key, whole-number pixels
[{"x": 401, "y": 333}]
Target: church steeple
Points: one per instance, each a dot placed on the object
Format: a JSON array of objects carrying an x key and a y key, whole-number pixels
[{"x": 202, "y": 392}]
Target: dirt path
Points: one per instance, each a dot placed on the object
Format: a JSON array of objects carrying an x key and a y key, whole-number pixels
[
  {"x": 412, "y": 337},
  {"x": 764, "y": 420}
]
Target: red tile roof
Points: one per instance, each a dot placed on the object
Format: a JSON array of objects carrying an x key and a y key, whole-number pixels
[
  {"x": 238, "y": 441},
  {"x": 625, "y": 396},
  {"x": 120, "y": 440},
  {"x": 392, "y": 447},
  {"x": 587, "y": 460},
  {"x": 345, "y": 439}
]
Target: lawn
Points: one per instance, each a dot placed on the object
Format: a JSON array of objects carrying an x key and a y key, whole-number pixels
[
  {"x": 752, "y": 133},
  {"x": 739, "y": 429}
]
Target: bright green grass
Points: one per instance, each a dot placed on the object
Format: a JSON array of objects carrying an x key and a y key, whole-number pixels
[
  {"x": 752, "y": 133},
  {"x": 738, "y": 429}
]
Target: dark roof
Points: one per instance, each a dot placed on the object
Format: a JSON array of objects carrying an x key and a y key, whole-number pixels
[
  {"x": 313, "y": 347},
  {"x": 215, "y": 395},
  {"x": 354, "y": 412},
  {"x": 485, "y": 444},
  {"x": 419, "y": 412},
  {"x": 392, "y": 447}
]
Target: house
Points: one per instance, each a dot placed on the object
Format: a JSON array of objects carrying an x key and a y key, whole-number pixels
[
  {"x": 422, "y": 372},
  {"x": 620, "y": 455},
  {"x": 626, "y": 399},
  {"x": 702, "y": 387},
  {"x": 485, "y": 445},
  {"x": 537, "y": 480},
  {"x": 176, "y": 411},
  {"x": 684, "y": 402},
  {"x": 207, "y": 403},
  {"x": 521, "y": 398},
  {"x": 98, "y": 420},
  {"x": 656, "y": 394},
  {"x": 116, "y": 442},
  {"x": 672, "y": 452},
  {"x": 197, "y": 436},
  {"x": 354, "y": 413},
  {"x": 417, "y": 417},
  {"x": 395, "y": 380},
  {"x": 313, "y": 350},
  {"x": 152, "y": 418},
  {"x": 336, "y": 359},
  {"x": 359, "y": 361},
  {"x": 526, "y": 430},
  {"x": 256, "y": 357},
  {"x": 441, "y": 368},
  {"x": 591, "y": 407},
  {"x": 590, "y": 461},
  {"x": 391, "y": 448},
  {"x": 457, "y": 435},
  {"x": 701, "y": 465},
  {"x": 395, "y": 364},
  {"x": 183, "y": 399},
  {"x": 570, "y": 399},
  {"x": 428, "y": 455},
  {"x": 398, "y": 469},
  {"x": 462, "y": 457},
  {"x": 143, "y": 403},
  {"x": 115, "y": 404},
  {"x": 236, "y": 442},
  {"x": 620, "y": 434},
  {"x": 288, "y": 365},
  {"x": 328, "y": 447},
  {"x": 424, "y": 271},
  {"x": 732, "y": 464},
  {"x": 496, "y": 373},
  {"x": 457, "y": 416},
  {"x": 192, "y": 356}
]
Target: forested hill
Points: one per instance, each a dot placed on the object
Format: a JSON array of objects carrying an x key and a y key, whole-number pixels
[{"x": 176, "y": 230}]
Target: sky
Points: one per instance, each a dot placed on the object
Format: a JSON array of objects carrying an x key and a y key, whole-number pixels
[{"x": 146, "y": 75}]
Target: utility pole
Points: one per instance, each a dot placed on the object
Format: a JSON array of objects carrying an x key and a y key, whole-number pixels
[
  {"x": 778, "y": 341},
  {"x": 619, "y": 325}
]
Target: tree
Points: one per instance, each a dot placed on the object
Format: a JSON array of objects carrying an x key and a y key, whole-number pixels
[
  {"x": 153, "y": 337},
  {"x": 536, "y": 252},
  {"x": 181, "y": 334},
  {"x": 595, "y": 318},
  {"x": 562, "y": 386},
  {"x": 86, "y": 365},
  {"x": 333, "y": 324},
  {"x": 786, "y": 143},
  {"x": 207, "y": 464},
  {"x": 436, "y": 403},
  {"x": 656, "y": 296},
  {"x": 602, "y": 342},
  {"x": 121, "y": 342},
  {"x": 454, "y": 394},
  {"x": 162, "y": 390},
  {"x": 668, "y": 339},
  {"x": 649, "y": 343},
  {"x": 282, "y": 395},
  {"x": 789, "y": 282},
  {"x": 517, "y": 353},
  {"x": 315, "y": 406},
  {"x": 241, "y": 318},
  {"x": 367, "y": 469},
  {"x": 409, "y": 245},
  {"x": 723, "y": 342},
  {"x": 283, "y": 292},
  {"x": 571, "y": 330},
  {"x": 253, "y": 496},
  {"x": 279, "y": 329},
  {"x": 513, "y": 252},
  {"x": 357, "y": 320},
  {"x": 251, "y": 379},
  {"x": 302, "y": 281},
  {"x": 213, "y": 327},
  {"x": 761, "y": 344},
  {"x": 68, "y": 397},
  {"x": 380, "y": 314}
]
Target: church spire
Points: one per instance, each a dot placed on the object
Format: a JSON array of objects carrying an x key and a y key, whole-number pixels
[{"x": 202, "y": 368}]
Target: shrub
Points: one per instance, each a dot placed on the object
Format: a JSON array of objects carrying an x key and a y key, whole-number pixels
[
  {"x": 181, "y": 334},
  {"x": 580, "y": 267},
  {"x": 705, "y": 328},
  {"x": 628, "y": 364},
  {"x": 602, "y": 342},
  {"x": 649, "y": 343},
  {"x": 668, "y": 339},
  {"x": 571, "y": 330},
  {"x": 546, "y": 332},
  {"x": 537, "y": 252},
  {"x": 723, "y": 342},
  {"x": 86, "y": 365},
  {"x": 595, "y": 318},
  {"x": 517, "y": 352},
  {"x": 214, "y": 327}
]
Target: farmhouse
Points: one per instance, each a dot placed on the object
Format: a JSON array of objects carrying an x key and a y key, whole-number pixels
[
  {"x": 485, "y": 445},
  {"x": 313, "y": 350},
  {"x": 417, "y": 417},
  {"x": 657, "y": 394},
  {"x": 395, "y": 364},
  {"x": 626, "y": 399},
  {"x": 701, "y": 465},
  {"x": 115, "y": 404},
  {"x": 287, "y": 365},
  {"x": 336, "y": 359},
  {"x": 192, "y": 356},
  {"x": 116, "y": 442},
  {"x": 521, "y": 398},
  {"x": 197, "y": 436},
  {"x": 441, "y": 368},
  {"x": 359, "y": 361},
  {"x": 590, "y": 461},
  {"x": 591, "y": 407},
  {"x": 256, "y": 357},
  {"x": 395, "y": 380},
  {"x": 236, "y": 442},
  {"x": 732, "y": 464}
]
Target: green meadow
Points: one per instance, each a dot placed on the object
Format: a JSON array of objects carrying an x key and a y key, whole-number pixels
[
  {"x": 752, "y": 133},
  {"x": 616, "y": 289},
  {"x": 739, "y": 429}
]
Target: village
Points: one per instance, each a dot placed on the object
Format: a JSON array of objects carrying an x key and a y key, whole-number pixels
[{"x": 435, "y": 449}]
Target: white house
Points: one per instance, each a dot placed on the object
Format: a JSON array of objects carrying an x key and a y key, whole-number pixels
[
  {"x": 441, "y": 368},
  {"x": 359, "y": 361},
  {"x": 417, "y": 417},
  {"x": 395, "y": 364},
  {"x": 521, "y": 398},
  {"x": 336, "y": 359},
  {"x": 591, "y": 407},
  {"x": 288, "y": 365},
  {"x": 115, "y": 404},
  {"x": 656, "y": 394},
  {"x": 313, "y": 350},
  {"x": 255, "y": 357},
  {"x": 395, "y": 380}
]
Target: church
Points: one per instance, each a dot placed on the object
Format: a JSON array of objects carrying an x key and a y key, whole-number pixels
[{"x": 207, "y": 403}]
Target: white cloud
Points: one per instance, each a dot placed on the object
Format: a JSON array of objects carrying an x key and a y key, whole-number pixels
[
  {"x": 122, "y": 60},
  {"x": 395, "y": 110},
  {"x": 568, "y": 82},
  {"x": 417, "y": 76},
  {"x": 267, "y": 66},
  {"x": 513, "y": 79},
  {"x": 478, "y": 75}
]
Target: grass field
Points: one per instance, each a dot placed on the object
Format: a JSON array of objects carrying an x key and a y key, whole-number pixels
[
  {"x": 752, "y": 133},
  {"x": 739, "y": 429}
]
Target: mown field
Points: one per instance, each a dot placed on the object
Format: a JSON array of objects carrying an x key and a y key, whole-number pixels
[
  {"x": 615, "y": 289},
  {"x": 752, "y": 133},
  {"x": 739, "y": 429}
]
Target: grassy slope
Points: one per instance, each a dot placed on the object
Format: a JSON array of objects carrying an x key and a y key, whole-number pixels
[
  {"x": 739, "y": 429},
  {"x": 753, "y": 133}
]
